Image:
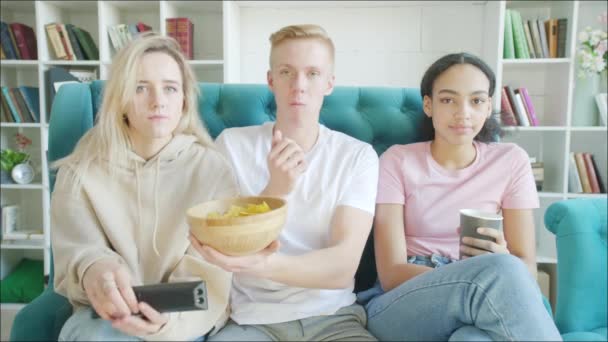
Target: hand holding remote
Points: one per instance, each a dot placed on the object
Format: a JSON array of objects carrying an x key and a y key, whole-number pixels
[{"x": 107, "y": 284}]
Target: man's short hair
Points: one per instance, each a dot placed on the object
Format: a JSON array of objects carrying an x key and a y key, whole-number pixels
[{"x": 305, "y": 31}]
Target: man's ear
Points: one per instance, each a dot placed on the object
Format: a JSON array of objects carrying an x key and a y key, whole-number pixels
[
  {"x": 269, "y": 80},
  {"x": 330, "y": 85},
  {"x": 427, "y": 106}
]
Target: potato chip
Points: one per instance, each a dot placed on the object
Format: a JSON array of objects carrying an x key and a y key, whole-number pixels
[{"x": 237, "y": 211}]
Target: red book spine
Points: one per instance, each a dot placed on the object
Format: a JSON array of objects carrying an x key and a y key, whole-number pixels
[
  {"x": 184, "y": 33},
  {"x": 595, "y": 188},
  {"x": 141, "y": 27},
  {"x": 507, "y": 116},
  {"x": 26, "y": 40}
]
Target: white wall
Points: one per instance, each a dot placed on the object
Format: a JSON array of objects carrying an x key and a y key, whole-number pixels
[{"x": 376, "y": 45}]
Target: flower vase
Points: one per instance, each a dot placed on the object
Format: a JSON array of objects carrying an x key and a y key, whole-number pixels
[{"x": 584, "y": 110}]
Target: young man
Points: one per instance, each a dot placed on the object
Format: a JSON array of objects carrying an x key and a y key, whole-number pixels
[{"x": 301, "y": 286}]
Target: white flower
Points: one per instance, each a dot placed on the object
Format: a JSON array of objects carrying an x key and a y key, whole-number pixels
[
  {"x": 599, "y": 64},
  {"x": 602, "y": 47},
  {"x": 595, "y": 38},
  {"x": 591, "y": 51}
]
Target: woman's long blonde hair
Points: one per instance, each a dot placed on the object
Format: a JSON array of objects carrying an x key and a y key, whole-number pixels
[{"x": 108, "y": 139}]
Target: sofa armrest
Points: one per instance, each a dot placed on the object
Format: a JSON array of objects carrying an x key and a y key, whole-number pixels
[
  {"x": 42, "y": 319},
  {"x": 579, "y": 226},
  {"x": 577, "y": 216}
]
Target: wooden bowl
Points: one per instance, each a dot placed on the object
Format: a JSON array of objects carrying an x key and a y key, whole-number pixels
[{"x": 237, "y": 235}]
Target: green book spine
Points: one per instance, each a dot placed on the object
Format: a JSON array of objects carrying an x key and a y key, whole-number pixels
[
  {"x": 87, "y": 43},
  {"x": 509, "y": 47},
  {"x": 519, "y": 38}
]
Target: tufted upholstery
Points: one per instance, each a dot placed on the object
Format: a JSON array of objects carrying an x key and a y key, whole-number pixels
[
  {"x": 378, "y": 115},
  {"x": 381, "y": 116}
]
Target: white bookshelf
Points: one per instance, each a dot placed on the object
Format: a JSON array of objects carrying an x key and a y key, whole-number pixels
[
  {"x": 551, "y": 83},
  {"x": 95, "y": 17},
  {"x": 378, "y": 43}
]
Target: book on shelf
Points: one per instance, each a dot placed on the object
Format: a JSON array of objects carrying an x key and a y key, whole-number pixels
[
  {"x": 10, "y": 104},
  {"x": 20, "y": 104},
  {"x": 182, "y": 30},
  {"x": 538, "y": 49},
  {"x": 529, "y": 106},
  {"x": 83, "y": 75},
  {"x": 574, "y": 181},
  {"x": 31, "y": 96},
  {"x": 89, "y": 48},
  {"x": 71, "y": 42},
  {"x": 79, "y": 55},
  {"x": 533, "y": 37},
  {"x": 141, "y": 27},
  {"x": 519, "y": 114},
  {"x": 121, "y": 34},
  {"x": 506, "y": 111},
  {"x": 6, "y": 41},
  {"x": 538, "y": 171},
  {"x": 562, "y": 34},
  {"x": 595, "y": 188},
  {"x": 551, "y": 29},
  {"x": 528, "y": 36},
  {"x": 58, "y": 48},
  {"x": 519, "y": 103},
  {"x": 519, "y": 37},
  {"x": 509, "y": 44},
  {"x": 582, "y": 172},
  {"x": 598, "y": 175},
  {"x": 25, "y": 38},
  {"x": 543, "y": 37},
  {"x": 14, "y": 42},
  {"x": 65, "y": 41}
]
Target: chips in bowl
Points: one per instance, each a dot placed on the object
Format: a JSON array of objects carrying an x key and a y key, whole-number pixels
[{"x": 238, "y": 226}]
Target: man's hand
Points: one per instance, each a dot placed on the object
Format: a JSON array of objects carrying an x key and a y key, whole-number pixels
[
  {"x": 254, "y": 264},
  {"x": 472, "y": 246},
  {"x": 285, "y": 164},
  {"x": 108, "y": 287}
]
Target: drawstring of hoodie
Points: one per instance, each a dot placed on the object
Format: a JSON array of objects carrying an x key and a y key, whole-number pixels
[
  {"x": 139, "y": 224},
  {"x": 154, "y": 231}
]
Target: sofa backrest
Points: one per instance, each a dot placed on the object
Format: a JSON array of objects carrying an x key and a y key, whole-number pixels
[{"x": 381, "y": 116}]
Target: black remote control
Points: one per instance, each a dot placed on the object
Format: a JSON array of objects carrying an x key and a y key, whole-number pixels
[{"x": 171, "y": 297}]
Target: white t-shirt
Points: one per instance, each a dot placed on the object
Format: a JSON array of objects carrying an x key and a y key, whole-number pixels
[{"x": 341, "y": 171}]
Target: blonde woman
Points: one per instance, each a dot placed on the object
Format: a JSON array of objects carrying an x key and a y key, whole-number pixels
[{"x": 118, "y": 208}]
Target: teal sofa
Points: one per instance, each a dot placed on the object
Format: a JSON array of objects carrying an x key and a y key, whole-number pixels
[
  {"x": 579, "y": 226},
  {"x": 379, "y": 116}
]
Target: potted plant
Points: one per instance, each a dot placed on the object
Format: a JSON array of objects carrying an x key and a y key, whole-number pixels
[{"x": 8, "y": 160}]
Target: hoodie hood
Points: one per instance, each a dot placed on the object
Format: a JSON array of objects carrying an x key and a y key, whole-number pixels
[{"x": 170, "y": 152}]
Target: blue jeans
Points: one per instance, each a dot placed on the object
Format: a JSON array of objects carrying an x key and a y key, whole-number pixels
[
  {"x": 487, "y": 297},
  {"x": 81, "y": 326}
]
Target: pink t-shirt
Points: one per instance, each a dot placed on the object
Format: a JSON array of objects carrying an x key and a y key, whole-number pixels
[{"x": 500, "y": 177}]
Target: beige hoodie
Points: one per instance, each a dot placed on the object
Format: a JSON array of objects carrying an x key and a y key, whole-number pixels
[{"x": 139, "y": 219}]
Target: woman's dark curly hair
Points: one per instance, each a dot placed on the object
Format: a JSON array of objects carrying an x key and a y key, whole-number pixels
[{"x": 492, "y": 129}]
